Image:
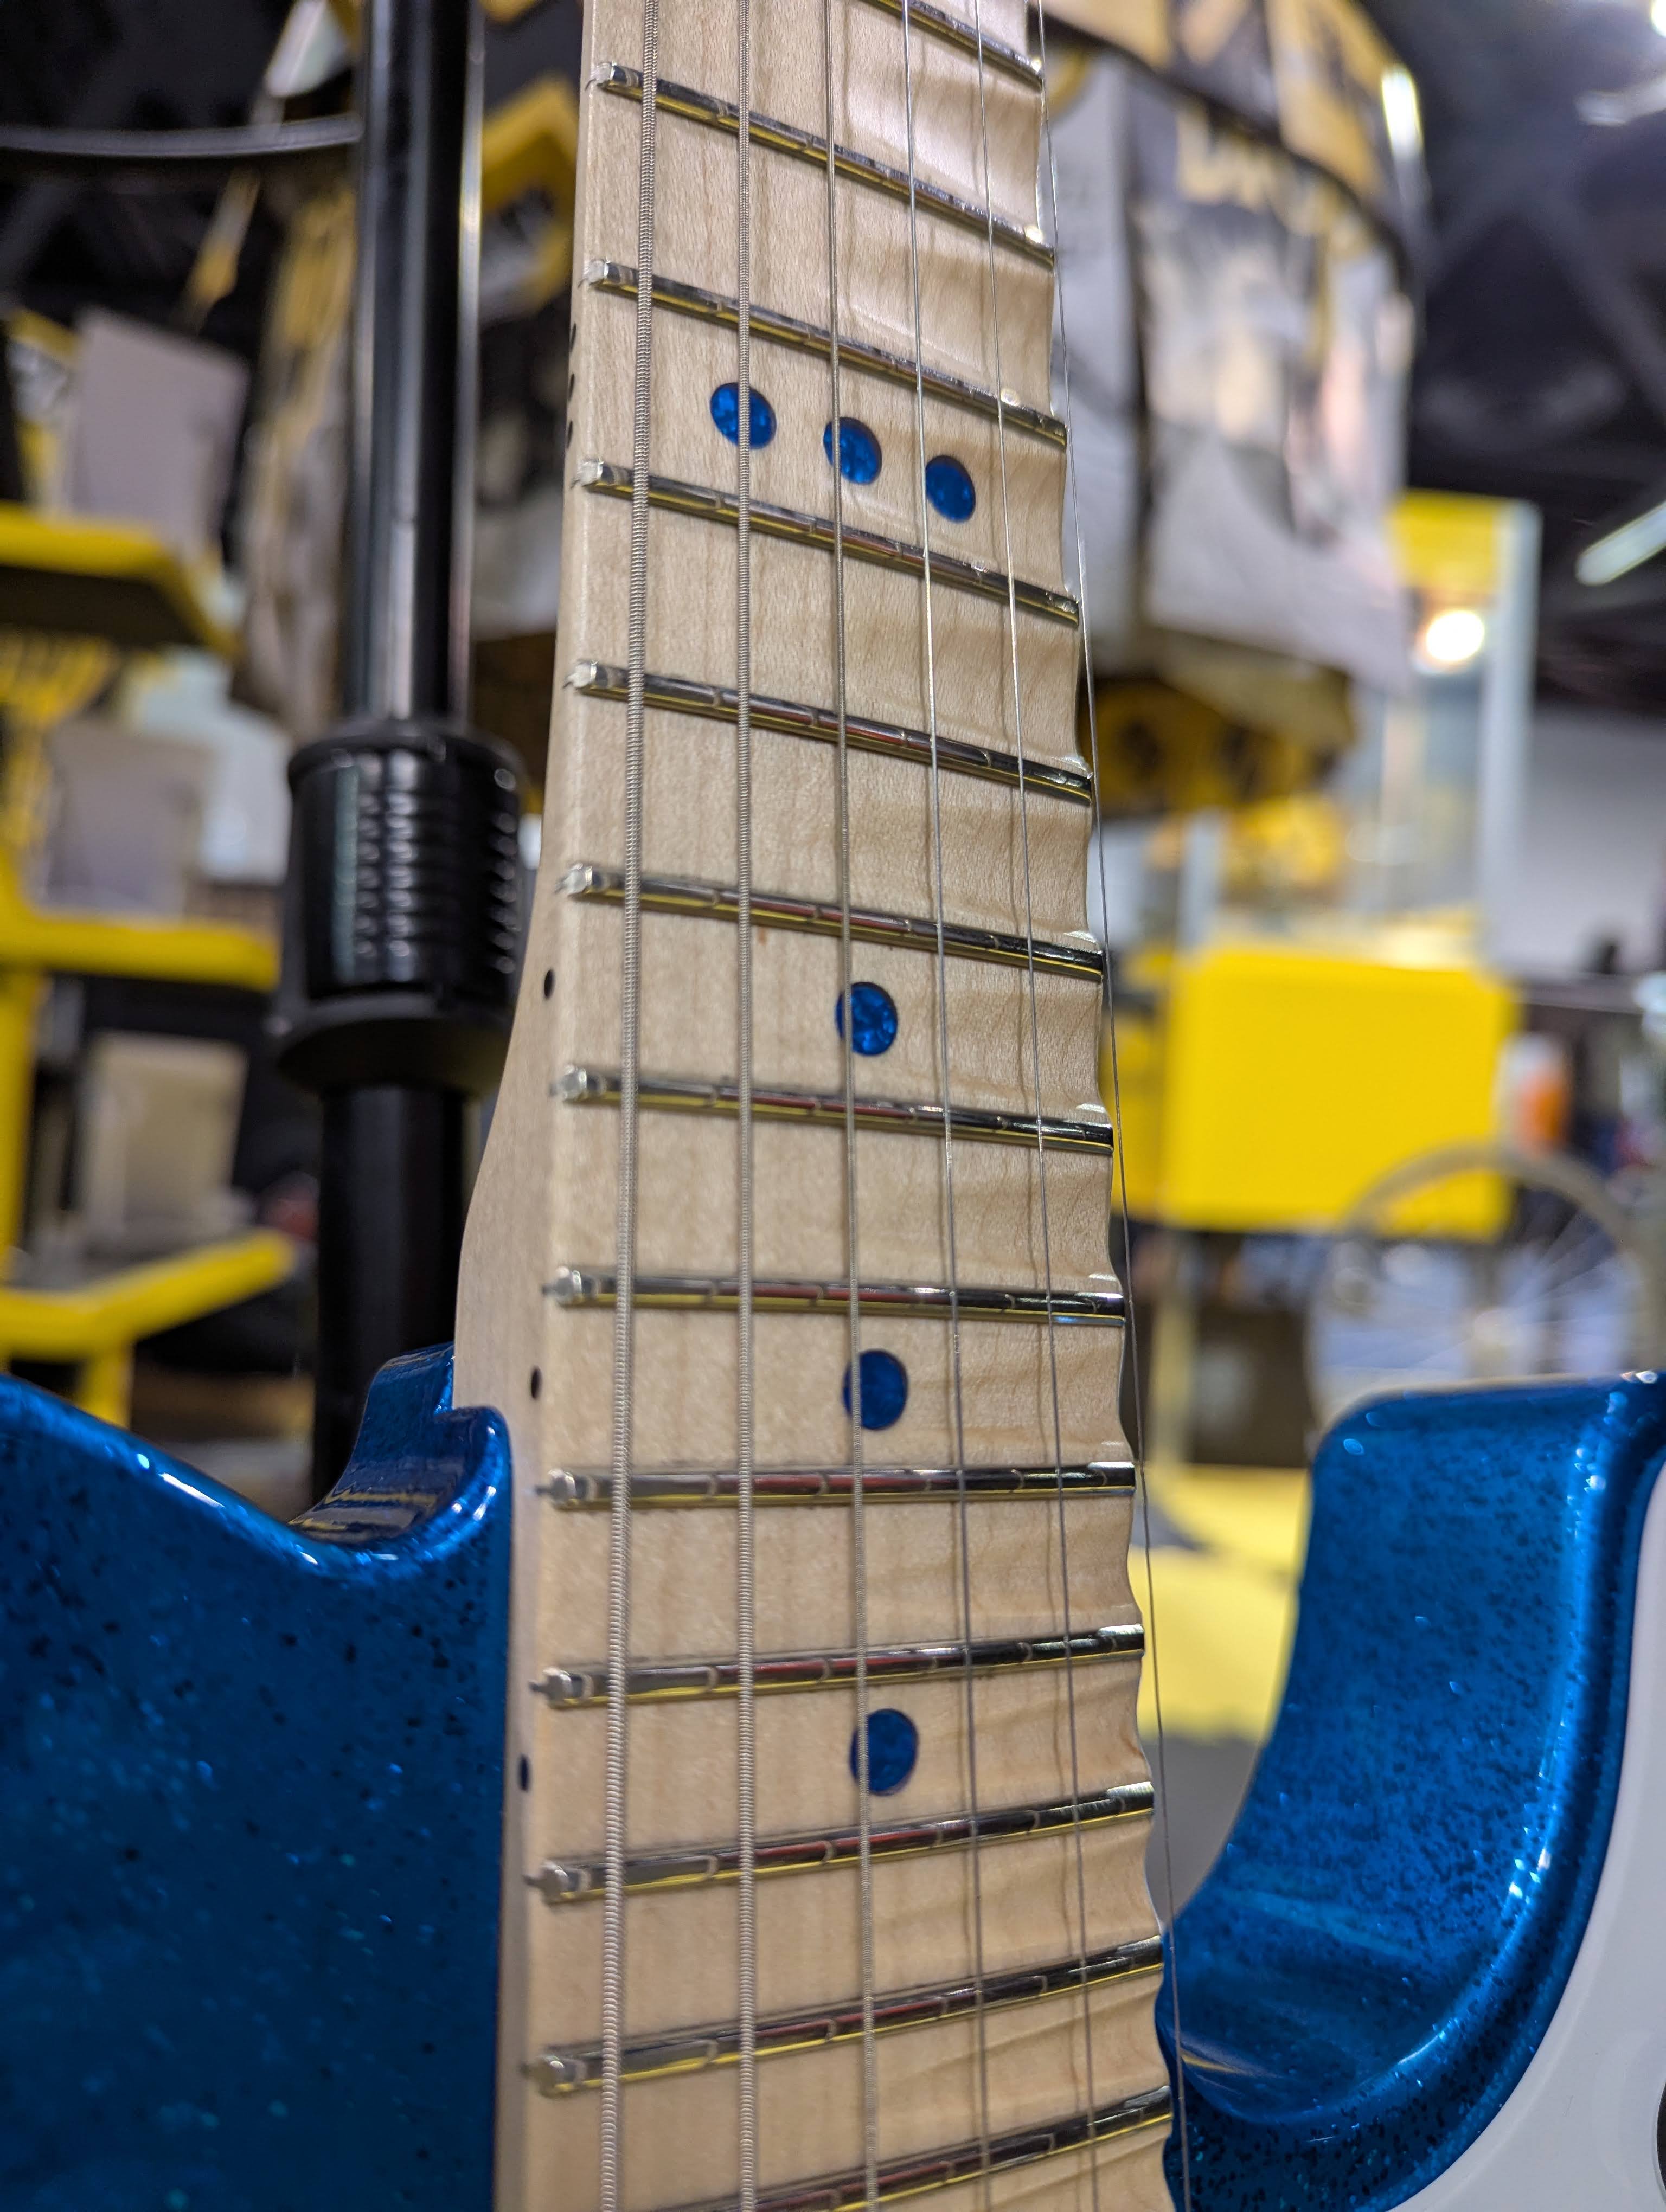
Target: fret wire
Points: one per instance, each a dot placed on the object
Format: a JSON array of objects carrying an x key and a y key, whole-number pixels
[
  {"x": 746, "y": 1564},
  {"x": 562, "y": 2068},
  {"x": 795, "y": 335},
  {"x": 665, "y": 1094},
  {"x": 690, "y": 106},
  {"x": 578, "y": 1881},
  {"x": 1121, "y": 1170},
  {"x": 956, "y": 1396},
  {"x": 928, "y": 2171},
  {"x": 583, "y": 1288},
  {"x": 678, "y": 1488},
  {"x": 702, "y": 503},
  {"x": 701, "y": 902},
  {"x": 618, "y": 1565},
  {"x": 1035, "y": 1052},
  {"x": 660, "y": 1681},
  {"x": 678, "y": 694}
]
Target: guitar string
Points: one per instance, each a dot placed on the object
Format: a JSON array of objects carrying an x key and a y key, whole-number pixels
[
  {"x": 1131, "y": 1355},
  {"x": 1080, "y": 1845},
  {"x": 958, "y": 1416},
  {"x": 854, "y": 1340},
  {"x": 745, "y": 1576},
  {"x": 618, "y": 1556}
]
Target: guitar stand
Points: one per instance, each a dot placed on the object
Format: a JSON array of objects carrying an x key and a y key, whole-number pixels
[{"x": 403, "y": 910}]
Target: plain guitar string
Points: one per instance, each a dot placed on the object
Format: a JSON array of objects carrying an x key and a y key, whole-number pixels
[
  {"x": 1035, "y": 1079},
  {"x": 946, "y": 1094},
  {"x": 745, "y": 1577},
  {"x": 1137, "y": 1441},
  {"x": 618, "y": 1555},
  {"x": 853, "y": 1366}
]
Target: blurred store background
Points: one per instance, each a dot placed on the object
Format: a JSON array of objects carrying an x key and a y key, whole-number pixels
[{"x": 1362, "y": 335}]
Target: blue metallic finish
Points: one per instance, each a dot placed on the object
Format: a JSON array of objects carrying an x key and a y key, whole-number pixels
[
  {"x": 884, "y": 1390},
  {"x": 859, "y": 450},
  {"x": 893, "y": 1746},
  {"x": 873, "y": 1019},
  {"x": 950, "y": 489},
  {"x": 726, "y": 414},
  {"x": 1366, "y": 1973},
  {"x": 250, "y": 1810}
]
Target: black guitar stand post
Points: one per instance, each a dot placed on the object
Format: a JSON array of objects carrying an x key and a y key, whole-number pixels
[{"x": 402, "y": 917}]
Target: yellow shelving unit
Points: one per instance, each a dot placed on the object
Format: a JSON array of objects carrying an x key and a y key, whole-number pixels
[{"x": 73, "y": 596}]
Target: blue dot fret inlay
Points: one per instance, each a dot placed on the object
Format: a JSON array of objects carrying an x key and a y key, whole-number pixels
[
  {"x": 893, "y": 1746},
  {"x": 726, "y": 413},
  {"x": 872, "y": 1019},
  {"x": 884, "y": 1390},
  {"x": 859, "y": 450},
  {"x": 950, "y": 489}
]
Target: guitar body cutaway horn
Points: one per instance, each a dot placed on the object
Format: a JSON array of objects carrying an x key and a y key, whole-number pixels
[{"x": 250, "y": 1843}]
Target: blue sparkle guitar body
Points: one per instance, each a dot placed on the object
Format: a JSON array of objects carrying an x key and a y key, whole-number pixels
[
  {"x": 250, "y": 1808},
  {"x": 1376, "y": 1962},
  {"x": 251, "y": 1790}
]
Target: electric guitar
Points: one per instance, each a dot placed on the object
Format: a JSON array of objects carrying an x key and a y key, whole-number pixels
[{"x": 710, "y": 1778}]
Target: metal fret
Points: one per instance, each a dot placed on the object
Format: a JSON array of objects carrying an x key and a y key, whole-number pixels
[
  {"x": 676, "y": 695},
  {"x": 666, "y": 1094},
  {"x": 701, "y": 503},
  {"x": 692, "y": 107},
  {"x": 618, "y": 278},
  {"x": 968, "y": 2162},
  {"x": 702, "y": 901},
  {"x": 564, "y": 2068},
  {"x": 661, "y": 1682},
  {"x": 587, "y": 1489},
  {"x": 955, "y": 31},
  {"x": 579, "y": 1881},
  {"x": 587, "y": 1286}
]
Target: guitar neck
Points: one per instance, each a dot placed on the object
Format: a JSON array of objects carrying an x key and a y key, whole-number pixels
[{"x": 867, "y": 1486}]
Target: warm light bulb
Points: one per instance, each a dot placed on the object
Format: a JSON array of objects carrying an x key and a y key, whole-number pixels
[
  {"x": 1452, "y": 638},
  {"x": 1657, "y": 16}
]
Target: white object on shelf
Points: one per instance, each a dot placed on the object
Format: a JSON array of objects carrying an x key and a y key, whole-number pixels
[
  {"x": 157, "y": 418},
  {"x": 127, "y": 815},
  {"x": 155, "y": 1136},
  {"x": 245, "y": 811}
]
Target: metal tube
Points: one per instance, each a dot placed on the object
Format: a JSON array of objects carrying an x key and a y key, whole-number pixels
[
  {"x": 390, "y": 1227},
  {"x": 407, "y": 525},
  {"x": 403, "y": 896}
]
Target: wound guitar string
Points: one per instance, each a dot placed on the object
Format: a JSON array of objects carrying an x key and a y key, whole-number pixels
[
  {"x": 745, "y": 1579},
  {"x": 618, "y": 1558}
]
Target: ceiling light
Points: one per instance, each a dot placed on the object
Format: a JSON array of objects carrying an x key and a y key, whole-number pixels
[
  {"x": 1657, "y": 16},
  {"x": 1402, "y": 114},
  {"x": 1452, "y": 638},
  {"x": 1623, "y": 550}
]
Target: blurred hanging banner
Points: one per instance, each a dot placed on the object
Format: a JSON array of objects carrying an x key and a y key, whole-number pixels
[
  {"x": 1313, "y": 74},
  {"x": 1236, "y": 200},
  {"x": 1276, "y": 351}
]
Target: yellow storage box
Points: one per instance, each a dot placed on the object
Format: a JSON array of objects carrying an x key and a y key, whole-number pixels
[{"x": 1265, "y": 1086}]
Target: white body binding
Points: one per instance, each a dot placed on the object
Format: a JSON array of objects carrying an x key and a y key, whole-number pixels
[{"x": 1577, "y": 2135}]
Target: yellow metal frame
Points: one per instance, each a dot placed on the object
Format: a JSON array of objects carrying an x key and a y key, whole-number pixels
[
  {"x": 44, "y": 677},
  {"x": 94, "y": 1327},
  {"x": 531, "y": 142},
  {"x": 79, "y": 549}
]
